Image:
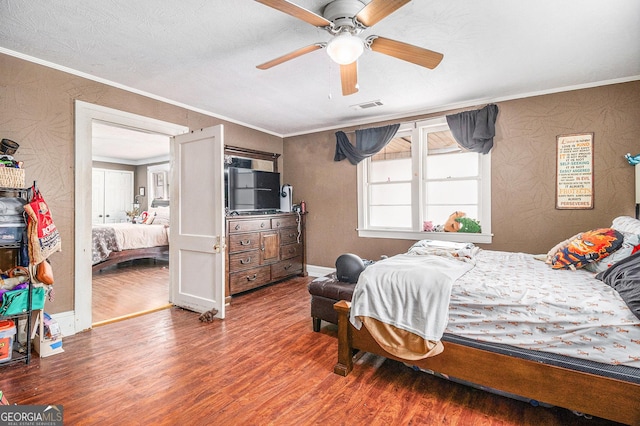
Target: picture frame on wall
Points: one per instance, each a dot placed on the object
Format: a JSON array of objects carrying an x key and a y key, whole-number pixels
[{"x": 574, "y": 171}]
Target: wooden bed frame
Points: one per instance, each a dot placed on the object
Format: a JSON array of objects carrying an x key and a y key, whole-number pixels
[
  {"x": 122, "y": 256},
  {"x": 604, "y": 397}
]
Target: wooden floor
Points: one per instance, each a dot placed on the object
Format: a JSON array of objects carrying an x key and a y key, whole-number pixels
[
  {"x": 129, "y": 288},
  {"x": 262, "y": 365}
]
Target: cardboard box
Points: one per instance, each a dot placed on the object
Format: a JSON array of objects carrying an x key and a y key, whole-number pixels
[{"x": 47, "y": 347}]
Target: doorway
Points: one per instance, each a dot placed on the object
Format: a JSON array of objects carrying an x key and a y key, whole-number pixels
[
  {"x": 87, "y": 115},
  {"x": 125, "y": 163}
]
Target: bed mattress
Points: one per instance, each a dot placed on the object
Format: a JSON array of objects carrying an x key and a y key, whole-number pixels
[
  {"x": 126, "y": 236},
  {"x": 135, "y": 236}
]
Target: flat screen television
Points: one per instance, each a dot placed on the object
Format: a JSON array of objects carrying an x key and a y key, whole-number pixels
[{"x": 252, "y": 190}]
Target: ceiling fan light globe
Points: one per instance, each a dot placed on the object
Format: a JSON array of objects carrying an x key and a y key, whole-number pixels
[{"x": 344, "y": 49}]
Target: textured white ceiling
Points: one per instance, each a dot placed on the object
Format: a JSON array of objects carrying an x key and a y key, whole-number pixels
[
  {"x": 122, "y": 145},
  {"x": 203, "y": 54}
]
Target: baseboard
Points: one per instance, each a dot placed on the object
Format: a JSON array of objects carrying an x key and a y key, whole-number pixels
[{"x": 319, "y": 271}]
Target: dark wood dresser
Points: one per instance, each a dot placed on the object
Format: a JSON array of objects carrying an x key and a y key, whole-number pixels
[{"x": 262, "y": 249}]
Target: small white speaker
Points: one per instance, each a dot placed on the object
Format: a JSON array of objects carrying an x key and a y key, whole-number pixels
[{"x": 286, "y": 197}]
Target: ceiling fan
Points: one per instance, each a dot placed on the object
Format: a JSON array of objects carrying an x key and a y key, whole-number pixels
[{"x": 345, "y": 19}]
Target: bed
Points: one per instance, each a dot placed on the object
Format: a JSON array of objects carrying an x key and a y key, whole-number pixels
[
  {"x": 513, "y": 325},
  {"x": 120, "y": 242}
]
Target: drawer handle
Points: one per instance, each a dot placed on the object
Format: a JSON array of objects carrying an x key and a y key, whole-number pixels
[
  {"x": 286, "y": 268},
  {"x": 262, "y": 225},
  {"x": 253, "y": 278},
  {"x": 237, "y": 226},
  {"x": 245, "y": 243},
  {"x": 292, "y": 235},
  {"x": 292, "y": 250},
  {"x": 245, "y": 261},
  {"x": 277, "y": 224}
]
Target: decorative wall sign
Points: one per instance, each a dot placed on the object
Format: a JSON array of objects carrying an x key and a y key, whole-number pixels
[{"x": 574, "y": 171}]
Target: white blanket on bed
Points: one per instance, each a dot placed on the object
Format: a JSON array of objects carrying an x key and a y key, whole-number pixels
[
  {"x": 134, "y": 236},
  {"x": 409, "y": 292}
]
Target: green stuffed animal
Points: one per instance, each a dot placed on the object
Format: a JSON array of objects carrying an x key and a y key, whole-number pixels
[{"x": 469, "y": 225}]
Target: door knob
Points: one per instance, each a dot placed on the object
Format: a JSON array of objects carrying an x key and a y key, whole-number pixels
[{"x": 219, "y": 246}]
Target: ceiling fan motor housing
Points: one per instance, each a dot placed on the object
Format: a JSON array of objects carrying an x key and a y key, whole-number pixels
[{"x": 342, "y": 13}]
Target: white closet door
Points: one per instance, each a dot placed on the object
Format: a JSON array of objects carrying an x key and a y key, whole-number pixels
[
  {"x": 114, "y": 195},
  {"x": 97, "y": 197},
  {"x": 118, "y": 188}
]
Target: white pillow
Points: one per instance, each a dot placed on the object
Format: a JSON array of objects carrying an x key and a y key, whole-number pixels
[
  {"x": 160, "y": 215},
  {"x": 626, "y": 224}
]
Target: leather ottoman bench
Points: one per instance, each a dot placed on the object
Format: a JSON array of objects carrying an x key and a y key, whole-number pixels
[{"x": 325, "y": 292}]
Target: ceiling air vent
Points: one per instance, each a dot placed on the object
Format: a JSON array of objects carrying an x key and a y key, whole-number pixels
[{"x": 366, "y": 105}]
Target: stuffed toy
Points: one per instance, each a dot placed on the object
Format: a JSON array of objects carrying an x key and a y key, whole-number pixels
[
  {"x": 469, "y": 225},
  {"x": 459, "y": 222},
  {"x": 209, "y": 316},
  {"x": 452, "y": 225}
]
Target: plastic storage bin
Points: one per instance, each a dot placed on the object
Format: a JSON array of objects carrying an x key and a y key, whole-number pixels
[
  {"x": 11, "y": 233},
  {"x": 7, "y": 331}
]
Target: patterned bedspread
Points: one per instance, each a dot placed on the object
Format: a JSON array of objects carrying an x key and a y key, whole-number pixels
[
  {"x": 104, "y": 241},
  {"x": 514, "y": 299},
  {"x": 126, "y": 236}
]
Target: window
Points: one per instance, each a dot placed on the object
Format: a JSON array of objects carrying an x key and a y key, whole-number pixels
[{"x": 423, "y": 175}]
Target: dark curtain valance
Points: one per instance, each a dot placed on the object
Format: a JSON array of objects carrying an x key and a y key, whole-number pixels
[
  {"x": 368, "y": 143},
  {"x": 474, "y": 130}
]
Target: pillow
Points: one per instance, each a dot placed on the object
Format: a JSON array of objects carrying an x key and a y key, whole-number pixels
[
  {"x": 626, "y": 224},
  {"x": 160, "y": 215},
  {"x": 586, "y": 248},
  {"x": 148, "y": 220},
  {"x": 551, "y": 254},
  {"x": 630, "y": 245}
]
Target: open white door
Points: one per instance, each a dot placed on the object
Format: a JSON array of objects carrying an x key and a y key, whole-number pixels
[{"x": 197, "y": 231}]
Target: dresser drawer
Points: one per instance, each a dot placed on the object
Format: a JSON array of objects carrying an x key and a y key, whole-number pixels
[
  {"x": 249, "y": 279},
  {"x": 244, "y": 242},
  {"x": 289, "y": 235},
  {"x": 244, "y": 260},
  {"x": 290, "y": 250},
  {"x": 286, "y": 267},
  {"x": 284, "y": 222},
  {"x": 236, "y": 226}
]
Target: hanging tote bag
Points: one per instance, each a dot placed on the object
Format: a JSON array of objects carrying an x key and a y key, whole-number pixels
[
  {"x": 44, "y": 238},
  {"x": 15, "y": 302}
]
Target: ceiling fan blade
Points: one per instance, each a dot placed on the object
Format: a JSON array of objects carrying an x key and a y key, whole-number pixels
[
  {"x": 377, "y": 10},
  {"x": 297, "y": 12},
  {"x": 406, "y": 52},
  {"x": 289, "y": 56},
  {"x": 349, "y": 78}
]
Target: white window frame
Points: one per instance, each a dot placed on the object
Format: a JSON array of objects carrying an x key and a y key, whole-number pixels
[{"x": 417, "y": 130}]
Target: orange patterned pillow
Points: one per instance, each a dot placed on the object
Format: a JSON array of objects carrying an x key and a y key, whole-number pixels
[{"x": 586, "y": 248}]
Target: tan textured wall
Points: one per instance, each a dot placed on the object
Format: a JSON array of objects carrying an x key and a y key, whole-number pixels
[
  {"x": 37, "y": 111},
  {"x": 524, "y": 217}
]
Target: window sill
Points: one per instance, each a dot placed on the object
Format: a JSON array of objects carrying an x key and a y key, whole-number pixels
[{"x": 460, "y": 237}]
